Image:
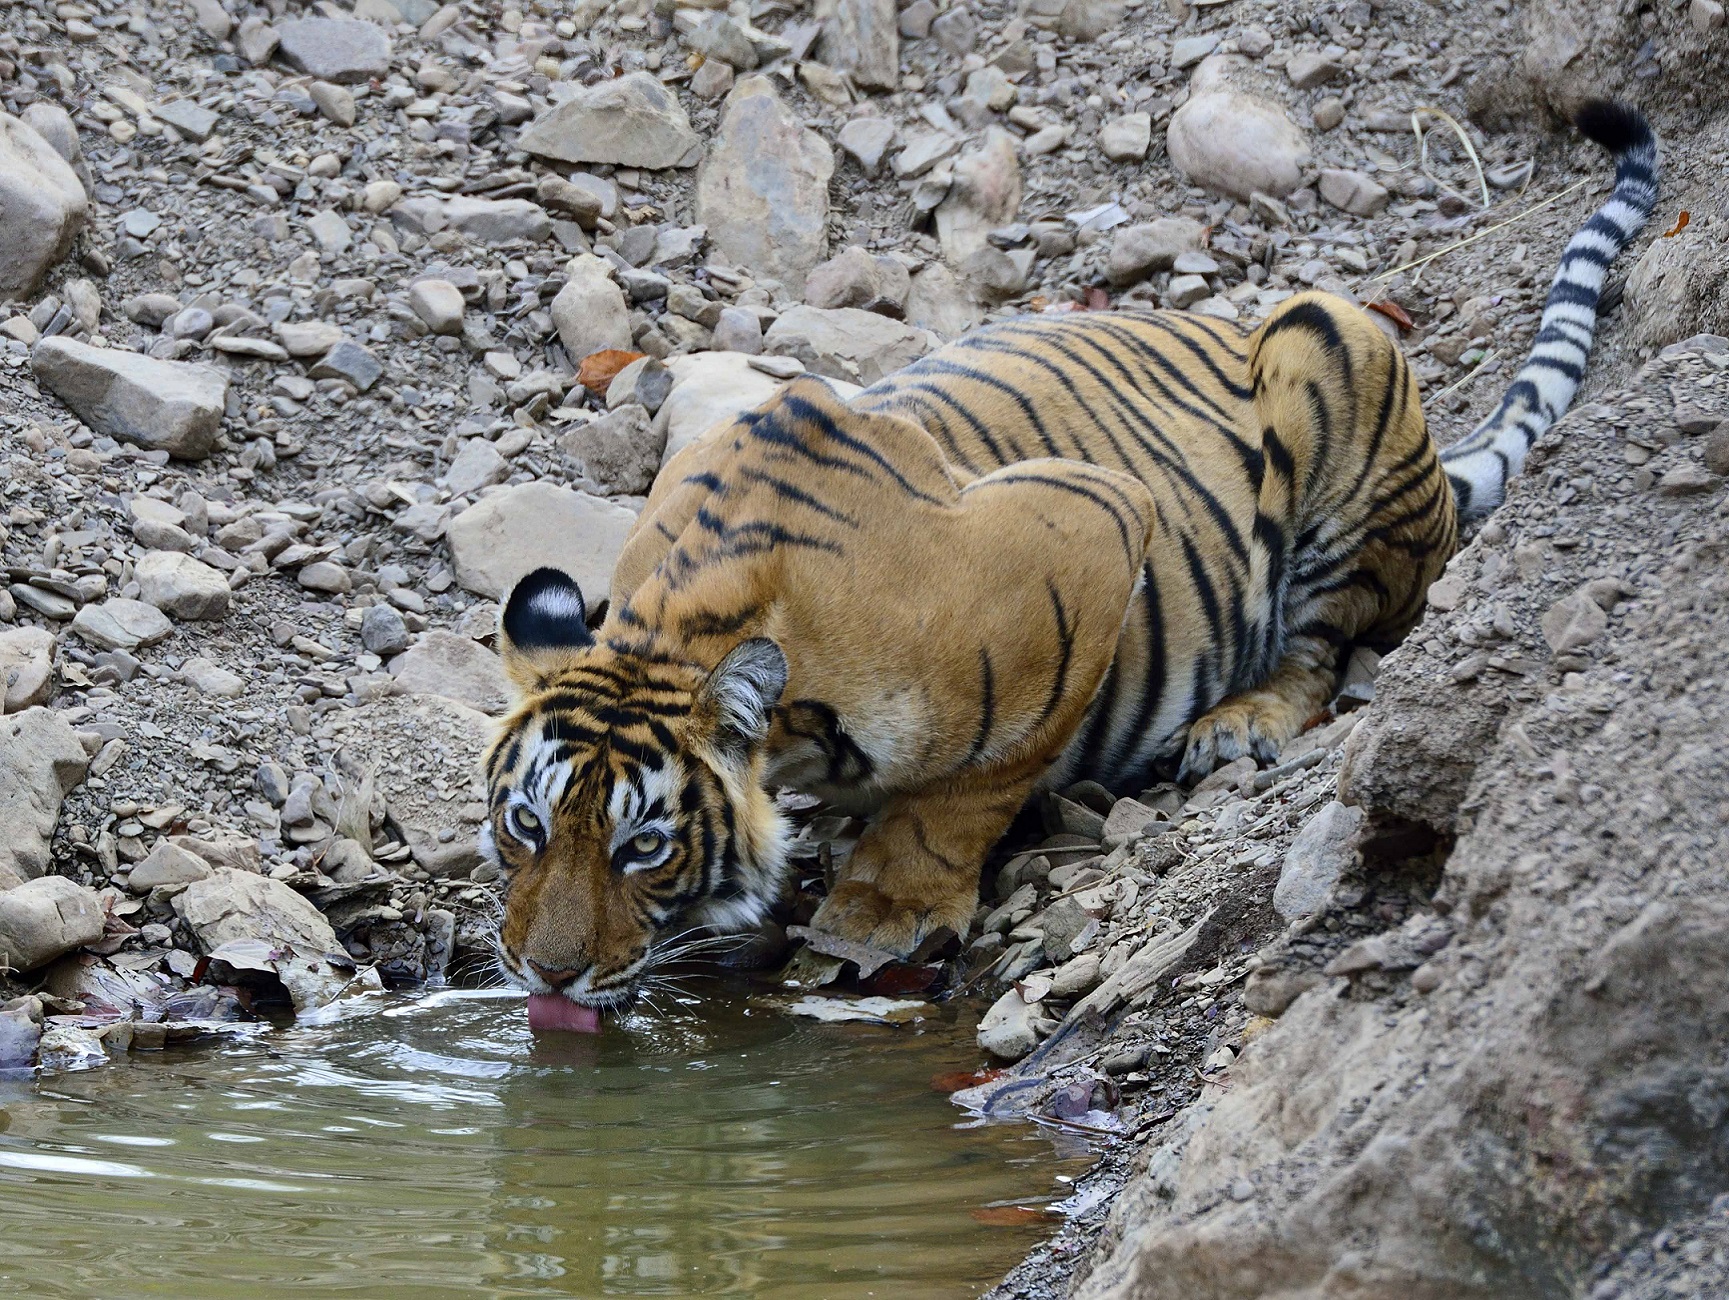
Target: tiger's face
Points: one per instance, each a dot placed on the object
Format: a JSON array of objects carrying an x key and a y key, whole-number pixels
[{"x": 625, "y": 799}]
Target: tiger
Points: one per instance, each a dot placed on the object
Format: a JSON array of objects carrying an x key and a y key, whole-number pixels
[{"x": 1062, "y": 548}]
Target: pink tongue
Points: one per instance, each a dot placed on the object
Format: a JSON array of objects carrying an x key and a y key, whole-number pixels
[{"x": 555, "y": 1011}]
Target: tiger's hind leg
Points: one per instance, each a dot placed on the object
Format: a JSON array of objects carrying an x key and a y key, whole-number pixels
[{"x": 1258, "y": 722}]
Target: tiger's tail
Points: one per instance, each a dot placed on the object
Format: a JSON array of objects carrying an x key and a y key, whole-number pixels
[{"x": 1479, "y": 464}]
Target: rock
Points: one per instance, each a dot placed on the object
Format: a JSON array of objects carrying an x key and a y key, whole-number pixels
[
  {"x": 439, "y": 305},
  {"x": 1573, "y": 623},
  {"x": 1128, "y": 817},
  {"x": 1322, "y": 852},
  {"x": 121, "y": 624},
  {"x": 19, "y": 1035},
  {"x": 456, "y": 667},
  {"x": 986, "y": 194},
  {"x": 1236, "y": 144},
  {"x": 350, "y": 362},
  {"x": 340, "y": 50},
  {"x": 867, "y": 139},
  {"x": 42, "y": 206},
  {"x": 179, "y": 585},
  {"x": 738, "y": 330},
  {"x": 937, "y": 301},
  {"x": 1310, "y": 68},
  {"x": 1076, "y": 977},
  {"x": 477, "y": 464},
  {"x": 1352, "y": 192},
  {"x": 632, "y": 121},
  {"x": 1687, "y": 480},
  {"x": 505, "y": 535},
  {"x": 497, "y": 221},
  {"x": 1012, "y": 1028},
  {"x": 1717, "y": 450},
  {"x": 645, "y": 382},
  {"x": 1676, "y": 289},
  {"x": 1140, "y": 250},
  {"x": 1270, "y": 992},
  {"x": 337, "y": 105},
  {"x": 167, "y": 864},
  {"x": 853, "y": 278},
  {"x": 171, "y": 406},
  {"x": 40, "y": 761},
  {"x": 1127, "y": 138},
  {"x": 1062, "y": 923},
  {"x": 1706, "y": 15},
  {"x": 188, "y": 117},
  {"x": 590, "y": 311},
  {"x": 311, "y": 338},
  {"x": 862, "y": 37},
  {"x": 209, "y": 679},
  {"x": 709, "y": 388},
  {"x": 26, "y": 668},
  {"x": 720, "y": 39},
  {"x": 42, "y": 919},
  {"x": 845, "y": 343},
  {"x": 763, "y": 189},
  {"x": 54, "y": 124},
  {"x": 1190, "y": 50},
  {"x": 713, "y": 80},
  {"x": 274, "y": 927},
  {"x": 1329, "y": 113},
  {"x": 581, "y": 205},
  {"x": 382, "y": 631},
  {"x": 619, "y": 453}
]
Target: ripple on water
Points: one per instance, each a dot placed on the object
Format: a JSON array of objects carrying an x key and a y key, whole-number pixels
[{"x": 440, "y": 1150}]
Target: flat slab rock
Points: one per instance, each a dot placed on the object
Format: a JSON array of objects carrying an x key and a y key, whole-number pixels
[
  {"x": 633, "y": 121},
  {"x": 171, "y": 406},
  {"x": 340, "y": 50},
  {"x": 510, "y": 532}
]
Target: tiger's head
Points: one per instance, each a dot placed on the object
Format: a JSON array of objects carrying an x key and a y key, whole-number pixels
[{"x": 625, "y": 799}]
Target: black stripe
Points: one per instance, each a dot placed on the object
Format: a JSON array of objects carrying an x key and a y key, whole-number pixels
[{"x": 987, "y": 706}]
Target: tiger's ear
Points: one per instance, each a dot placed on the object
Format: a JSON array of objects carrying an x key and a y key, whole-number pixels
[
  {"x": 739, "y": 693},
  {"x": 543, "y": 621}
]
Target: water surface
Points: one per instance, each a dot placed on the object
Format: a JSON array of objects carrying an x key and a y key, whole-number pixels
[{"x": 438, "y": 1150}]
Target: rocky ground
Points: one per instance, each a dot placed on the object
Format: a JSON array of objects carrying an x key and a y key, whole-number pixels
[{"x": 318, "y": 327}]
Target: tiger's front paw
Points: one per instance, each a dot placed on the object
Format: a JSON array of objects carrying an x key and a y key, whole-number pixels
[
  {"x": 1233, "y": 729},
  {"x": 858, "y": 910}
]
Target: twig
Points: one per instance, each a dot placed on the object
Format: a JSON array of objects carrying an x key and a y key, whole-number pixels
[
  {"x": 1464, "y": 139},
  {"x": 1467, "y": 377}
]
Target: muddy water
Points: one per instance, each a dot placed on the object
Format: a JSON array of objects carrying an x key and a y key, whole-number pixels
[{"x": 438, "y": 1150}]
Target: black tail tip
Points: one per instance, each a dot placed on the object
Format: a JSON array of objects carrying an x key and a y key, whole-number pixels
[{"x": 1617, "y": 127}]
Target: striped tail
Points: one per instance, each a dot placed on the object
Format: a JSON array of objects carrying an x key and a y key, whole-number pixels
[{"x": 1479, "y": 464}]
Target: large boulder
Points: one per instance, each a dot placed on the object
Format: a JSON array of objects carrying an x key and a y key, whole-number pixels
[
  {"x": 985, "y": 194},
  {"x": 862, "y": 37},
  {"x": 454, "y": 666},
  {"x": 633, "y": 121},
  {"x": 763, "y": 189},
  {"x": 845, "y": 343},
  {"x": 43, "y": 918},
  {"x": 708, "y": 388},
  {"x": 42, "y": 206},
  {"x": 510, "y": 532},
  {"x": 1237, "y": 144},
  {"x": 172, "y": 406},
  {"x": 40, "y": 761}
]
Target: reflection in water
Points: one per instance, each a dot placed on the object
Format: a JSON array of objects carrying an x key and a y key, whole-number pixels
[{"x": 438, "y": 1150}]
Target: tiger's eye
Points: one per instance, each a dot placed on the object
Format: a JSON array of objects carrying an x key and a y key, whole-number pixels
[
  {"x": 648, "y": 842},
  {"x": 525, "y": 823}
]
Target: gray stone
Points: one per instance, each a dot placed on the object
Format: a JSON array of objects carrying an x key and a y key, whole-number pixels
[
  {"x": 439, "y": 305},
  {"x": 40, "y": 761},
  {"x": 256, "y": 40},
  {"x": 497, "y": 221},
  {"x": 1352, "y": 192},
  {"x": 340, "y": 50},
  {"x": 618, "y": 453},
  {"x": 44, "y": 918},
  {"x": 1012, "y": 1027},
  {"x": 763, "y": 189},
  {"x": 867, "y": 139},
  {"x": 1236, "y": 144},
  {"x": 985, "y": 194},
  {"x": 1320, "y": 854},
  {"x": 477, "y": 464},
  {"x": 590, "y": 312},
  {"x": 709, "y": 388},
  {"x": 26, "y": 668},
  {"x": 456, "y": 667},
  {"x": 503, "y": 536},
  {"x": 937, "y": 301},
  {"x": 845, "y": 343},
  {"x": 716, "y": 36},
  {"x": 645, "y": 382},
  {"x": 19, "y": 1035},
  {"x": 42, "y": 206},
  {"x": 348, "y": 361},
  {"x": 304, "y": 339},
  {"x": 862, "y": 37},
  {"x": 331, "y": 233},
  {"x": 382, "y": 631},
  {"x": 334, "y": 102},
  {"x": 189, "y": 118},
  {"x": 121, "y": 624},
  {"x": 167, "y": 864},
  {"x": 171, "y": 406},
  {"x": 1310, "y": 68},
  {"x": 1573, "y": 623},
  {"x": 208, "y": 678},
  {"x": 150, "y": 309},
  {"x": 179, "y": 585},
  {"x": 1140, "y": 250},
  {"x": 738, "y": 330},
  {"x": 633, "y": 121},
  {"x": 1127, "y": 138}
]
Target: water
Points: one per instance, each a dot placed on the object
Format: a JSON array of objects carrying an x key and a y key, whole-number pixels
[{"x": 439, "y": 1150}]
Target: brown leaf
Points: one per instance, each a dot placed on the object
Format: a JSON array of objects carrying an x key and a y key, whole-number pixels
[
  {"x": 955, "y": 1080},
  {"x": 1680, "y": 224},
  {"x": 1393, "y": 312},
  {"x": 599, "y": 369},
  {"x": 1015, "y": 1216}
]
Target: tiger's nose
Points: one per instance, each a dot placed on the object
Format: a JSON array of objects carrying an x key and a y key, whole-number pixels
[{"x": 557, "y": 978}]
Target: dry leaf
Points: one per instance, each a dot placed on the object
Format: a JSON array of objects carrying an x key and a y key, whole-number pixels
[
  {"x": 1393, "y": 312},
  {"x": 599, "y": 369}
]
